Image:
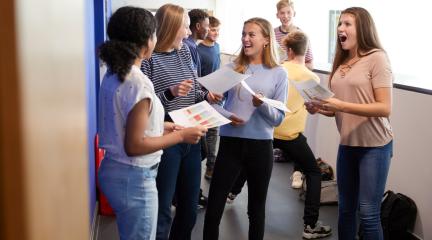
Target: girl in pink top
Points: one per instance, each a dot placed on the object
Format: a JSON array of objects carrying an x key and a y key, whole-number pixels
[{"x": 361, "y": 80}]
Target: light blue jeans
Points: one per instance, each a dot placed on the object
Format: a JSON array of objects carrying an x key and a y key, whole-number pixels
[
  {"x": 361, "y": 177},
  {"x": 131, "y": 192}
]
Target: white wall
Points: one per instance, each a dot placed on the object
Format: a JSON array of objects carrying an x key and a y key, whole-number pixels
[
  {"x": 411, "y": 167},
  {"x": 151, "y": 4}
]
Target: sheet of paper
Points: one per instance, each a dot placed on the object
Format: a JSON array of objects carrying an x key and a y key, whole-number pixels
[
  {"x": 274, "y": 103},
  {"x": 198, "y": 114},
  {"x": 310, "y": 90},
  {"x": 222, "y": 80}
]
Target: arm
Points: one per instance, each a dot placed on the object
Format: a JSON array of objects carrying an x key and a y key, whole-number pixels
[
  {"x": 380, "y": 108},
  {"x": 272, "y": 115},
  {"x": 137, "y": 144}
]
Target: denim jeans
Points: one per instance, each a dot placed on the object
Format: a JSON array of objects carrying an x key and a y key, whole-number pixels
[
  {"x": 211, "y": 139},
  {"x": 180, "y": 174},
  {"x": 131, "y": 192},
  {"x": 361, "y": 177}
]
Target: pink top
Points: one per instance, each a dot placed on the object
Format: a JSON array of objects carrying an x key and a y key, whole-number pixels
[{"x": 357, "y": 86}]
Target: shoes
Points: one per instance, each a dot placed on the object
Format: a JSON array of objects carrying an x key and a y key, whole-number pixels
[
  {"x": 297, "y": 179},
  {"x": 319, "y": 231},
  {"x": 231, "y": 197},
  {"x": 202, "y": 201},
  {"x": 208, "y": 173}
]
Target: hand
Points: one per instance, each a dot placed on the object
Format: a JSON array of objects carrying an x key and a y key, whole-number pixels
[
  {"x": 332, "y": 105},
  {"x": 256, "y": 101},
  {"x": 214, "y": 97},
  {"x": 170, "y": 127},
  {"x": 311, "y": 107},
  {"x": 236, "y": 121},
  {"x": 182, "y": 89},
  {"x": 192, "y": 135}
]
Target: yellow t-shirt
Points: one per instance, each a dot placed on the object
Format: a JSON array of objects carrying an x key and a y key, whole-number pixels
[{"x": 295, "y": 121}]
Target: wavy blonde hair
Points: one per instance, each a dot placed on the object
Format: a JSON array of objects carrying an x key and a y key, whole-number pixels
[
  {"x": 169, "y": 19},
  {"x": 270, "y": 56}
]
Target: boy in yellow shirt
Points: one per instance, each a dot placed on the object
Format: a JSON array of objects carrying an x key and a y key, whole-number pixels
[{"x": 289, "y": 138}]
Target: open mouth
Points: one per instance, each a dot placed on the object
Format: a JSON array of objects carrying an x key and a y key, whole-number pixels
[{"x": 342, "y": 38}]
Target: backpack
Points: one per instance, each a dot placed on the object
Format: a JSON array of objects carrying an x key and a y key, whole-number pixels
[
  {"x": 329, "y": 191},
  {"x": 398, "y": 216}
]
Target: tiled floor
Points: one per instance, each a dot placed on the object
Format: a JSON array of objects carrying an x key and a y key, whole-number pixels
[{"x": 283, "y": 215}]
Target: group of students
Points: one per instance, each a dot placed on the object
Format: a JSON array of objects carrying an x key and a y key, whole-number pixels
[{"x": 153, "y": 66}]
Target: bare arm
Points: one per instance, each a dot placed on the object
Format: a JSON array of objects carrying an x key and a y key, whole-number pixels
[
  {"x": 380, "y": 108},
  {"x": 136, "y": 143}
]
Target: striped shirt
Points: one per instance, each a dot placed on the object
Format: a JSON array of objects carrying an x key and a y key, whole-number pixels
[
  {"x": 166, "y": 69},
  {"x": 280, "y": 34}
]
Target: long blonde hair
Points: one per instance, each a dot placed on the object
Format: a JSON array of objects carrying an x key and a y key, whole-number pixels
[
  {"x": 169, "y": 19},
  {"x": 367, "y": 37},
  {"x": 270, "y": 56}
]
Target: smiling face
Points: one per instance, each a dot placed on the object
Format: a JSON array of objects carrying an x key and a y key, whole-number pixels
[
  {"x": 286, "y": 16},
  {"x": 203, "y": 29},
  {"x": 253, "y": 41},
  {"x": 213, "y": 34},
  {"x": 182, "y": 33},
  {"x": 347, "y": 33}
]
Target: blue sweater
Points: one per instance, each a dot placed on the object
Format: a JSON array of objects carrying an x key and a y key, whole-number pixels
[
  {"x": 210, "y": 58},
  {"x": 273, "y": 84}
]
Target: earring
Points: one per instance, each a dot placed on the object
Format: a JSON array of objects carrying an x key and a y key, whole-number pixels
[{"x": 265, "y": 45}]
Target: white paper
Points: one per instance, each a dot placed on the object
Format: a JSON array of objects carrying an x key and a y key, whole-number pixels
[
  {"x": 222, "y": 80},
  {"x": 274, "y": 103},
  {"x": 311, "y": 90},
  {"x": 198, "y": 114}
]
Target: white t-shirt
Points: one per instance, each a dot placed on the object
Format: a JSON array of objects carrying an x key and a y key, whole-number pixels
[{"x": 116, "y": 100}]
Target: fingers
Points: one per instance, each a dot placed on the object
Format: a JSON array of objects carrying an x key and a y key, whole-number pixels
[{"x": 184, "y": 87}]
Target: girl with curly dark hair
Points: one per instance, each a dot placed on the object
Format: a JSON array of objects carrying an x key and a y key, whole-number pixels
[{"x": 131, "y": 125}]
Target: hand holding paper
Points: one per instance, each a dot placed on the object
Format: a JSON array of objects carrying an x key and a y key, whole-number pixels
[
  {"x": 200, "y": 114},
  {"x": 274, "y": 103},
  {"x": 311, "y": 90}
]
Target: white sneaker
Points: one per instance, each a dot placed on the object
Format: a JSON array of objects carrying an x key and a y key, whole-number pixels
[{"x": 297, "y": 179}]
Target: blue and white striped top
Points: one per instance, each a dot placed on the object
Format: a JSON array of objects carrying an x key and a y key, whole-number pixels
[{"x": 166, "y": 69}]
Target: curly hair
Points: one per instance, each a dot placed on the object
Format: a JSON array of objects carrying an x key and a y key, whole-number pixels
[
  {"x": 129, "y": 30},
  {"x": 196, "y": 16}
]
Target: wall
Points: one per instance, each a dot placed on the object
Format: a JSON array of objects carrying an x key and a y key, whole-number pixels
[
  {"x": 51, "y": 80},
  {"x": 151, "y": 4},
  {"x": 411, "y": 167}
]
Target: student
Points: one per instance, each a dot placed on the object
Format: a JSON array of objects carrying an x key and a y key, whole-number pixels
[
  {"x": 285, "y": 14},
  {"x": 171, "y": 71},
  {"x": 131, "y": 126},
  {"x": 199, "y": 26},
  {"x": 289, "y": 138},
  {"x": 209, "y": 53},
  {"x": 246, "y": 144},
  {"x": 361, "y": 79}
]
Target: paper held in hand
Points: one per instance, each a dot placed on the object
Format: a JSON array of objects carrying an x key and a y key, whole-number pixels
[
  {"x": 311, "y": 90},
  {"x": 222, "y": 80},
  {"x": 274, "y": 103},
  {"x": 198, "y": 114}
]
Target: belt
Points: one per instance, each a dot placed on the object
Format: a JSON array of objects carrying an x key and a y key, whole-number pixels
[{"x": 154, "y": 166}]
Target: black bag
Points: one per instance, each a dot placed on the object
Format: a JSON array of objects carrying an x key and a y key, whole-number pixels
[{"x": 398, "y": 216}]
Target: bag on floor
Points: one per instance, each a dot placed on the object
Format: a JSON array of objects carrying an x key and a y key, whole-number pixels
[
  {"x": 398, "y": 215},
  {"x": 329, "y": 192},
  {"x": 326, "y": 170}
]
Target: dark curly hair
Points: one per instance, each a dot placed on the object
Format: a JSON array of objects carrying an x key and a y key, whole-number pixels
[
  {"x": 196, "y": 16},
  {"x": 129, "y": 30}
]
